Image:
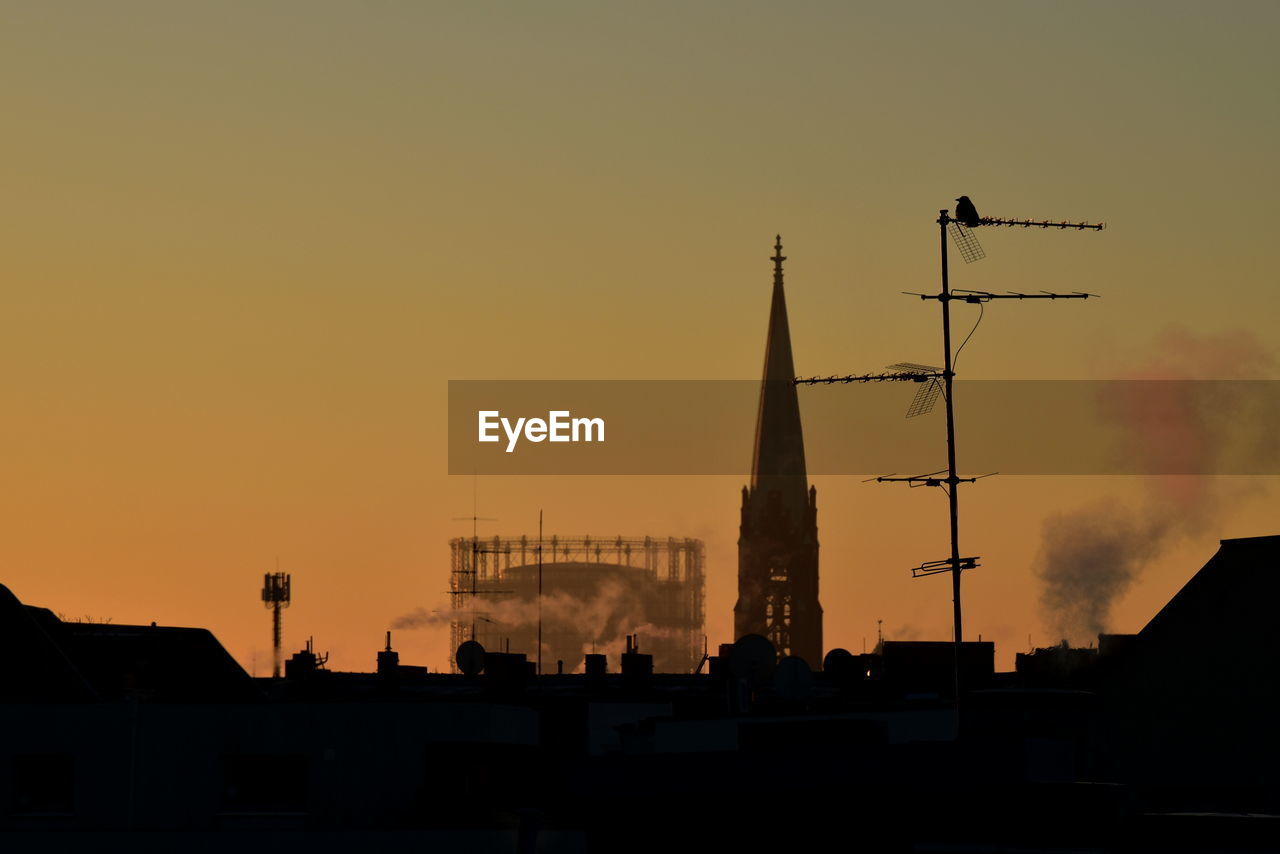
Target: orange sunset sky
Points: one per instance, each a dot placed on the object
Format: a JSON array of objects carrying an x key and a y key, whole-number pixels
[{"x": 246, "y": 245}]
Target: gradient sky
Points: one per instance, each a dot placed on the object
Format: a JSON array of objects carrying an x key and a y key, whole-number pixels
[{"x": 247, "y": 244}]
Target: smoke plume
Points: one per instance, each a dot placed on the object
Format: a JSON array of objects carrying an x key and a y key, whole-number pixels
[
  {"x": 1090, "y": 556},
  {"x": 605, "y": 618},
  {"x": 904, "y": 632}
]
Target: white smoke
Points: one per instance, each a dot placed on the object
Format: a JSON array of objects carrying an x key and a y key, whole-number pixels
[
  {"x": 604, "y": 619},
  {"x": 1090, "y": 556}
]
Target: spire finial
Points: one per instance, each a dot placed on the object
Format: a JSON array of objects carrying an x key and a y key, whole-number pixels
[{"x": 777, "y": 259}]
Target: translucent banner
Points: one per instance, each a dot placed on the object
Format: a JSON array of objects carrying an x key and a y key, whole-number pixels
[{"x": 1026, "y": 427}]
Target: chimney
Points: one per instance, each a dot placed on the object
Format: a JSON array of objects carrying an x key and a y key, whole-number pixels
[
  {"x": 718, "y": 664},
  {"x": 388, "y": 661},
  {"x": 635, "y": 666}
]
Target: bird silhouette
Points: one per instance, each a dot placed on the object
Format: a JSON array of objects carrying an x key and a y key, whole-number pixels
[{"x": 967, "y": 213}]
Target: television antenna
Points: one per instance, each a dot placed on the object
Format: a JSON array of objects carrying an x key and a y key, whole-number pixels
[
  {"x": 971, "y": 250},
  {"x": 962, "y": 234}
]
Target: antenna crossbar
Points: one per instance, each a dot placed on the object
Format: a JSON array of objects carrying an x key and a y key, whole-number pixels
[
  {"x": 1042, "y": 223},
  {"x": 937, "y": 478},
  {"x": 895, "y": 376},
  {"x": 975, "y": 297},
  {"x": 933, "y": 567}
]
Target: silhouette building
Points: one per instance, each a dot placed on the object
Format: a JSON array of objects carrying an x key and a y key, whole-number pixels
[
  {"x": 1163, "y": 740},
  {"x": 778, "y": 537}
]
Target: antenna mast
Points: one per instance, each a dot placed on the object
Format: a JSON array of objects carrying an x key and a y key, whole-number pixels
[
  {"x": 539, "y": 592},
  {"x": 961, "y": 230},
  {"x": 967, "y": 242}
]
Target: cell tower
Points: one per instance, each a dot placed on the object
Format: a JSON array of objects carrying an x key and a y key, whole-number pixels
[{"x": 275, "y": 595}]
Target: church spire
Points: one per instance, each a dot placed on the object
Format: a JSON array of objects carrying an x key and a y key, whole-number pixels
[
  {"x": 778, "y": 463},
  {"x": 778, "y": 535}
]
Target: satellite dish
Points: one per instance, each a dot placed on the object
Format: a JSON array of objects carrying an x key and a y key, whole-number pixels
[
  {"x": 470, "y": 657},
  {"x": 838, "y": 663},
  {"x": 753, "y": 658},
  {"x": 793, "y": 680}
]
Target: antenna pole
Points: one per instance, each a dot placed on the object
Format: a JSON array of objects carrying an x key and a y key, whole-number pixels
[
  {"x": 275, "y": 640},
  {"x": 953, "y": 493},
  {"x": 948, "y": 377},
  {"x": 539, "y": 592}
]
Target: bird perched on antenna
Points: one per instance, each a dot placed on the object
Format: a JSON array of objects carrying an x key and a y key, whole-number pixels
[{"x": 967, "y": 213}]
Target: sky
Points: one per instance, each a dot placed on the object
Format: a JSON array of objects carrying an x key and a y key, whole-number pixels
[{"x": 246, "y": 246}]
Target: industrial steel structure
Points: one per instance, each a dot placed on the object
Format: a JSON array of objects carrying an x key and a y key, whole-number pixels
[{"x": 595, "y": 592}]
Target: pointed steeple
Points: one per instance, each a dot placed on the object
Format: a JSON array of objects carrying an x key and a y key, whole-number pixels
[
  {"x": 778, "y": 534},
  {"x": 778, "y": 463}
]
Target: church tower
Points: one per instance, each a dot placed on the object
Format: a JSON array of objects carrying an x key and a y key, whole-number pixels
[{"x": 778, "y": 537}]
